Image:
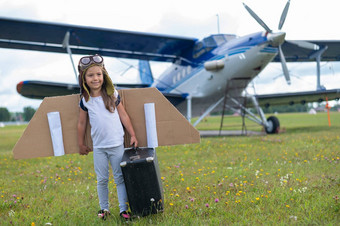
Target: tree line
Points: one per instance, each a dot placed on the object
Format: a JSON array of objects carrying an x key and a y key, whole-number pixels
[{"x": 26, "y": 115}]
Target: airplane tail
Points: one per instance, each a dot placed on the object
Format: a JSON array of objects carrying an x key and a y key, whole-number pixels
[{"x": 145, "y": 72}]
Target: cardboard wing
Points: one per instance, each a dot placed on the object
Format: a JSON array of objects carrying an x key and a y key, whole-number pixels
[{"x": 172, "y": 127}]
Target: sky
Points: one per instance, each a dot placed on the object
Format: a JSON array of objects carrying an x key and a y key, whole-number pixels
[{"x": 306, "y": 20}]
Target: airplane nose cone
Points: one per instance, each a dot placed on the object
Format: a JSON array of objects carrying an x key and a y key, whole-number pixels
[{"x": 276, "y": 39}]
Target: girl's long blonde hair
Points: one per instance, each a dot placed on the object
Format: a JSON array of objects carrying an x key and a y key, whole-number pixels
[{"x": 109, "y": 101}]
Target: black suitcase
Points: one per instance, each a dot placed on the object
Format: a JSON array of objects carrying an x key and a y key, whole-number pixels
[{"x": 142, "y": 181}]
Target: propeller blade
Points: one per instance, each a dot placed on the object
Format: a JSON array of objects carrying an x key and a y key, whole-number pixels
[
  {"x": 284, "y": 66},
  {"x": 305, "y": 44},
  {"x": 284, "y": 15},
  {"x": 258, "y": 19}
]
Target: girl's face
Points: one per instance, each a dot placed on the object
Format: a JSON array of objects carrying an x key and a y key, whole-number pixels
[{"x": 94, "y": 78}]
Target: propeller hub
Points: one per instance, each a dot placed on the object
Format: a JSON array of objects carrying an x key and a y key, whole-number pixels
[{"x": 277, "y": 38}]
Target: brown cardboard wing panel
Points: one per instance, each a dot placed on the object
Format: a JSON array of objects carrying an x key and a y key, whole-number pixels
[
  {"x": 36, "y": 140},
  {"x": 172, "y": 127}
]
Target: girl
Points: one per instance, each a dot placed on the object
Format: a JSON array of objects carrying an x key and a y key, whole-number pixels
[{"x": 101, "y": 102}]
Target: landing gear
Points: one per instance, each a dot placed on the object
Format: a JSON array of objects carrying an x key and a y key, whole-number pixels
[{"x": 273, "y": 125}]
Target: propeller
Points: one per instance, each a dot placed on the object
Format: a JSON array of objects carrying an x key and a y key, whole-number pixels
[
  {"x": 278, "y": 38},
  {"x": 305, "y": 44},
  {"x": 257, "y": 18}
]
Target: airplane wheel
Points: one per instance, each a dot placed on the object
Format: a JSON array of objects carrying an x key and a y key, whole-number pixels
[{"x": 273, "y": 125}]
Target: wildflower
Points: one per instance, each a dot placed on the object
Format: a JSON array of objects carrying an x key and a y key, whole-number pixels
[
  {"x": 231, "y": 185},
  {"x": 207, "y": 205},
  {"x": 257, "y": 198},
  {"x": 11, "y": 213},
  {"x": 33, "y": 224},
  {"x": 186, "y": 206},
  {"x": 293, "y": 217},
  {"x": 287, "y": 206},
  {"x": 216, "y": 200},
  {"x": 171, "y": 204},
  {"x": 192, "y": 200}
]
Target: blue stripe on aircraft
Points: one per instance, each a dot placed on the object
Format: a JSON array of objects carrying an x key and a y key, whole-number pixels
[{"x": 269, "y": 50}]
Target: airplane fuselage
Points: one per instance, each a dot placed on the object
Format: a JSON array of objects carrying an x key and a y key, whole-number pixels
[{"x": 243, "y": 59}]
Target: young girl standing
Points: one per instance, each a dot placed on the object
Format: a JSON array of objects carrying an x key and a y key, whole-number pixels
[{"x": 101, "y": 102}]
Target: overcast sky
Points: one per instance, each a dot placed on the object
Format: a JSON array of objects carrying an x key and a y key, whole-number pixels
[{"x": 306, "y": 20}]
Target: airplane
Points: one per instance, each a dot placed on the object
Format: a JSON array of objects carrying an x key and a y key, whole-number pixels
[{"x": 205, "y": 75}]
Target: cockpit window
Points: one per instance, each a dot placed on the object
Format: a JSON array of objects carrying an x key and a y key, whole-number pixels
[{"x": 211, "y": 42}]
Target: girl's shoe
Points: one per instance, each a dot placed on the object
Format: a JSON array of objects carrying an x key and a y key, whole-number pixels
[
  {"x": 103, "y": 214},
  {"x": 125, "y": 215}
]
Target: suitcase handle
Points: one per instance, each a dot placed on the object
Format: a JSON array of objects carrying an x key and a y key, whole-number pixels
[{"x": 136, "y": 156}]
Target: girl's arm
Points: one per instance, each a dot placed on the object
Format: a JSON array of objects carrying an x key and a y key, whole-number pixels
[
  {"x": 125, "y": 119},
  {"x": 83, "y": 150}
]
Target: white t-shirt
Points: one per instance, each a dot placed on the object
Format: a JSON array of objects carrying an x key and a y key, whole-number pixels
[{"x": 106, "y": 128}]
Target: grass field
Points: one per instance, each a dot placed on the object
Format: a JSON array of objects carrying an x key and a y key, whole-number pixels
[{"x": 289, "y": 178}]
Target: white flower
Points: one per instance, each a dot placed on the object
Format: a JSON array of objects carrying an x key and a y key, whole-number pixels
[
  {"x": 11, "y": 213},
  {"x": 293, "y": 217}
]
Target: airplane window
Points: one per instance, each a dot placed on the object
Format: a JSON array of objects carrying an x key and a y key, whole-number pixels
[
  {"x": 229, "y": 37},
  {"x": 219, "y": 39},
  {"x": 189, "y": 69},
  {"x": 198, "y": 46},
  {"x": 209, "y": 42},
  {"x": 174, "y": 80}
]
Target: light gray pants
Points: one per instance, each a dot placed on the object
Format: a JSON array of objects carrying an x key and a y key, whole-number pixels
[{"x": 101, "y": 159}]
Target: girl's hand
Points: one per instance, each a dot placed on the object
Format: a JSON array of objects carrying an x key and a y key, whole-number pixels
[
  {"x": 84, "y": 150},
  {"x": 133, "y": 141}
]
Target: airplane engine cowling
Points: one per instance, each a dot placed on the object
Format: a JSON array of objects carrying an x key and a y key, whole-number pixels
[{"x": 214, "y": 65}]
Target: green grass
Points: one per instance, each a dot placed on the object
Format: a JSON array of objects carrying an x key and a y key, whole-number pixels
[{"x": 288, "y": 178}]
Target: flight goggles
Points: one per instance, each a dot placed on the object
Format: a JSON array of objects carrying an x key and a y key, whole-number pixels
[{"x": 86, "y": 61}]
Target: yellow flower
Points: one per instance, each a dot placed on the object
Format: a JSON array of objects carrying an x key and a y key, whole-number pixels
[
  {"x": 171, "y": 204},
  {"x": 257, "y": 198},
  {"x": 287, "y": 206},
  {"x": 33, "y": 224}
]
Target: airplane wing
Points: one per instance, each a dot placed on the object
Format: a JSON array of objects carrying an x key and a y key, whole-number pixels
[
  {"x": 41, "y": 89},
  {"x": 295, "y": 53},
  {"x": 297, "y": 97},
  {"x": 49, "y": 37}
]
